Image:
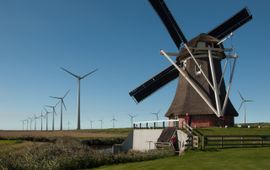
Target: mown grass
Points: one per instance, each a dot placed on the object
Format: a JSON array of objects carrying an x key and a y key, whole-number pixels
[
  {"x": 234, "y": 131},
  {"x": 236, "y": 159}
]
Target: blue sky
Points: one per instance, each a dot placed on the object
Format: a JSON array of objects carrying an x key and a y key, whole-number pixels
[{"x": 122, "y": 38}]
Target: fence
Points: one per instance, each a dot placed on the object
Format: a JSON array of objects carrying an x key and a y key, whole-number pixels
[{"x": 234, "y": 141}]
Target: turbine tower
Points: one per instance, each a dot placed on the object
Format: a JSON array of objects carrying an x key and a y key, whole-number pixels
[
  {"x": 91, "y": 123},
  {"x": 30, "y": 118},
  {"x": 35, "y": 119},
  {"x": 53, "y": 113},
  {"x": 113, "y": 121},
  {"x": 79, "y": 78},
  {"x": 41, "y": 120},
  {"x": 156, "y": 114},
  {"x": 101, "y": 123},
  {"x": 46, "y": 115},
  {"x": 131, "y": 119},
  {"x": 61, "y": 107},
  {"x": 243, "y": 103},
  {"x": 22, "y": 124}
]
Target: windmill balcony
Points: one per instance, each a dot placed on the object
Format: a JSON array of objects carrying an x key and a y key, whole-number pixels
[{"x": 158, "y": 124}]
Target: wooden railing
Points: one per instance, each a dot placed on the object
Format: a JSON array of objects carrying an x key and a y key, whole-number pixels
[{"x": 234, "y": 141}]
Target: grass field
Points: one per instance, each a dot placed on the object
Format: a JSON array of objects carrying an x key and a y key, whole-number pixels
[
  {"x": 236, "y": 159},
  {"x": 234, "y": 131},
  {"x": 95, "y": 133}
]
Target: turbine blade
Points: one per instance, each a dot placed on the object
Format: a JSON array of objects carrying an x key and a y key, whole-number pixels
[
  {"x": 240, "y": 95},
  {"x": 240, "y": 105},
  {"x": 249, "y": 100},
  {"x": 54, "y": 97},
  {"x": 64, "y": 104},
  {"x": 89, "y": 74},
  {"x": 69, "y": 72},
  {"x": 66, "y": 93}
]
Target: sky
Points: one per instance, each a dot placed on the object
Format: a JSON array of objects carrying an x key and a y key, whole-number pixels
[{"x": 122, "y": 38}]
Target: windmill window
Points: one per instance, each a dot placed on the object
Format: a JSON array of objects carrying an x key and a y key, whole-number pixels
[{"x": 198, "y": 71}]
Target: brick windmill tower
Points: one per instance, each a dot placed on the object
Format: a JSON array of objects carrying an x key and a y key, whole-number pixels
[{"x": 201, "y": 93}]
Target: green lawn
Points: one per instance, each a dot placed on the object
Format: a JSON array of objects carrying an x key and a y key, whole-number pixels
[
  {"x": 234, "y": 131},
  {"x": 240, "y": 158}
]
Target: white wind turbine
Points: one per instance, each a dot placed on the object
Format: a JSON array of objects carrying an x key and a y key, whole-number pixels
[
  {"x": 131, "y": 119},
  {"x": 113, "y": 121},
  {"x": 53, "y": 113},
  {"x": 41, "y": 120},
  {"x": 101, "y": 123},
  {"x": 79, "y": 78},
  {"x": 156, "y": 114},
  {"x": 91, "y": 123},
  {"x": 61, "y": 107},
  {"x": 46, "y": 116},
  {"x": 30, "y": 119},
  {"x": 243, "y": 103},
  {"x": 35, "y": 119}
]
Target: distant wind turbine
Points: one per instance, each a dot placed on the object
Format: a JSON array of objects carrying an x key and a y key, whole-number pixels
[
  {"x": 101, "y": 123},
  {"x": 243, "y": 103},
  {"x": 61, "y": 108},
  {"x": 113, "y": 121},
  {"x": 41, "y": 120},
  {"x": 156, "y": 114},
  {"x": 22, "y": 124},
  {"x": 53, "y": 113},
  {"x": 30, "y": 118},
  {"x": 91, "y": 123},
  {"x": 79, "y": 78},
  {"x": 35, "y": 119},
  {"x": 131, "y": 119},
  {"x": 46, "y": 116}
]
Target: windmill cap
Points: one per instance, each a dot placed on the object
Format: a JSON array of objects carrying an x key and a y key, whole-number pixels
[{"x": 202, "y": 38}]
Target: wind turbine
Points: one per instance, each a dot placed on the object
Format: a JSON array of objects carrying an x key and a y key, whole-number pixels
[
  {"x": 131, "y": 119},
  {"x": 79, "y": 78},
  {"x": 35, "y": 119},
  {"x": 27, "y": 128},
  {"x": 91, "y": 123},
  {"x": 61, "y": 107},
  {"x": 41, "y": 120},
  {"x": 53, "y": 113},
  {"x": 46, "y": 115},
  {"x": 243, "y": 103},
  {"x": 156, "y": 114},
  {"x": 30, "y": 118},
  {"x": 113, "y": 121},
  {"x": 22, "y": 124},
  {"x": 101, "y": 123}
]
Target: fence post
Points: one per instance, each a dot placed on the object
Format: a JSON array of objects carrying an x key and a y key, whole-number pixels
[
  {"x": 202, "y": 143},
  {"x": 222, "y": 142}
]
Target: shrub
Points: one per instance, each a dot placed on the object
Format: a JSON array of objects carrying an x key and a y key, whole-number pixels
[{"x": 71, "y": 154}]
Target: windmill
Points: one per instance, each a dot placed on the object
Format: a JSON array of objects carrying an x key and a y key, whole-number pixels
[
  {"x": 53, "y": 113},
  {"x": 46, "y": 116},
  {"x": 27, "y": 123},
  {"x": 22, "y": 124},
  {"x": 79, "y": 78},
  {"x": 41, "y": 120},
  {"x": 243, "y": 103},
  {"x": 91, "y": 123},
  {"x": 201, "y": 90},
  {"x": 30, "y": 119},
  {"x": 101, "y": 123},
  {"x": 35, "y": 119},
  {"x": 156, "y": 114},
  {"x": 131, "y": 119},
  {"x": 113, "y": 121},
  {"x": 61, "y": 107}
]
